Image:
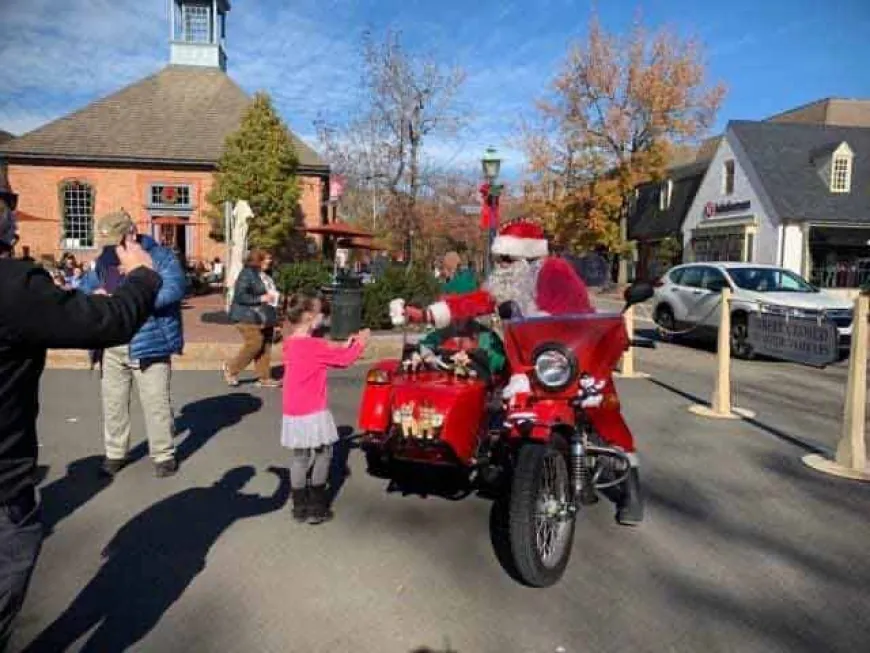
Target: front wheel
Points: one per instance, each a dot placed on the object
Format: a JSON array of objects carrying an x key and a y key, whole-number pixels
[
  {"x": 541, "y": 521},
  {"x": 740, "y": 347}
]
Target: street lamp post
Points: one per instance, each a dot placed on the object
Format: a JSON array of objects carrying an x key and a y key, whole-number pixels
[{"x": 490, "y": 193}]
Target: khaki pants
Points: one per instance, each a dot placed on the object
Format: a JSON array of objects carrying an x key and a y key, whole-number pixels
[
  {"x": 257, "y": 347},
  {"x": 153, "y": 385}
]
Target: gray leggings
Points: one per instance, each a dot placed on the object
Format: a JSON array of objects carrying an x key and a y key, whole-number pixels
[{"x": 316, "y": 461}]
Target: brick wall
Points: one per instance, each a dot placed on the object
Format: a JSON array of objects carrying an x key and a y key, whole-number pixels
[{"x": 37, "y": 187}]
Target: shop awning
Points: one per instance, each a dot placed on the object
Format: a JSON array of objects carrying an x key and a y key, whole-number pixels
[{"x": 171, "y": 220}]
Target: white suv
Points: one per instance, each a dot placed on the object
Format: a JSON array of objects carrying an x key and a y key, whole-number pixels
[{"x": 688, "y": 296}]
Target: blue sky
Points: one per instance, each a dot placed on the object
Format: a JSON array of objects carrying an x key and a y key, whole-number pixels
[{"x": 57, "y": 55}]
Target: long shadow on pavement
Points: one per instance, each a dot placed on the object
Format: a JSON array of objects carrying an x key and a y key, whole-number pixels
[
  {"x": 152, "y": 560},
  {"x": 202, "y": 419},
  {"x": 808, "y": 447}
]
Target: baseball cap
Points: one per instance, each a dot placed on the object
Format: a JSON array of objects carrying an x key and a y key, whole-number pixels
[{"x": 110, "y": 229}]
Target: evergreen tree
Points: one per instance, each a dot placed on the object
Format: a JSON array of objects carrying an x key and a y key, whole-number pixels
[{"x": 258, "y": 164}]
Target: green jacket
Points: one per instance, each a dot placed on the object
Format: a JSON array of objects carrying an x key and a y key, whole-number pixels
[
  {"x": 463, "y": 281},
  {"x": 488, "y": 341}
]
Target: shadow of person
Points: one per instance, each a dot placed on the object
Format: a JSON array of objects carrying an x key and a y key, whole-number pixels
[
  {"x": 201, "y": 420},
  {"x": 339, "y": 470},
  {"x": 205, "y": 418},
  {"x": 151, "y": 561}
]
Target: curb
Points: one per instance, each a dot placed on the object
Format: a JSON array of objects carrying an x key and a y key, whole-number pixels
[{"x": 211, "y": 355}]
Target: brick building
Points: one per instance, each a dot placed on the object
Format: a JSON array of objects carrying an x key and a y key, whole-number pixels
[{"x": 150, "y": 148}]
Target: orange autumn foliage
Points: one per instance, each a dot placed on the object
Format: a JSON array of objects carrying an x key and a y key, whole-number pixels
[{"x": 620, "y": 105}]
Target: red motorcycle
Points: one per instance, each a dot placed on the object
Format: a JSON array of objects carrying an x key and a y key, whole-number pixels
[{"x": 440, "y": 424}]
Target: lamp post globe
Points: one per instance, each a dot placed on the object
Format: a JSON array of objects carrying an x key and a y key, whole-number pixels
[{"x": 491, "y": 164}]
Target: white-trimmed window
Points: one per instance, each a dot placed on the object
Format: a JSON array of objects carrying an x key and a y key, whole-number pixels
[
  {"x": 665, "y": 192},
  {"x": 169, "y": 196},
  {"x": 77, "y": 199},
  {"x": 196, "y": 21},
  {"x": 841, "y": 173},
  {"x": 728, "y": 177}
]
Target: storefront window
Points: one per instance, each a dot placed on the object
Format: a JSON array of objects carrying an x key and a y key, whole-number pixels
[
  {"x": 719, "y": 247},
  {"x": 840, "y": 256}
]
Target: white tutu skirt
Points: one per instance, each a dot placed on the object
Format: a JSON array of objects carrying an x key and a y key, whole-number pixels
[{"x": 308, "y": 431}]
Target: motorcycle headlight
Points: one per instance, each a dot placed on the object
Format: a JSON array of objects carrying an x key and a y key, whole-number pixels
[{"x": 553, "y": 369}]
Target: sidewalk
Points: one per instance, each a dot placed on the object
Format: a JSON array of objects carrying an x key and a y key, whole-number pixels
[{"x": 209, "y": 343}]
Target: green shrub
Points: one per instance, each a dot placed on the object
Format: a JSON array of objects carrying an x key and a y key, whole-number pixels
[
  {"x": 304, "y": 276},
  {"x": 415, "y": 285}
]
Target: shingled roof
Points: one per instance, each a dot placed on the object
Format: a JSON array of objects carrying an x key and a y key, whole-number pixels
[
  {"x": 648, "y": 221},
  {"x": 782, "y": 156},
  {"x": 180, "y": 115}
]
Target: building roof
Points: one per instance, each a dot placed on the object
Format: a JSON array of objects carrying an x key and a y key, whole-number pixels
[
  {"x": 647, "y": 221},
  {"x": 180, "y": 115},
  {"x": 781, "y": 154},
  {"x": 842, "y": 112}
]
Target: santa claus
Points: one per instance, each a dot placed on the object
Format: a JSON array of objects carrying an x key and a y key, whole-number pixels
[
  {"x": 524, "y": 275},
  {"x": 531, "y": 281}
]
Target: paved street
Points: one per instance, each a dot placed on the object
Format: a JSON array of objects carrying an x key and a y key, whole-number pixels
[{"x": 745, "y": 549}]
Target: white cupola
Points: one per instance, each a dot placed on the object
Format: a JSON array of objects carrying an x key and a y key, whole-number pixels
[{"x": 197, "y": 32}]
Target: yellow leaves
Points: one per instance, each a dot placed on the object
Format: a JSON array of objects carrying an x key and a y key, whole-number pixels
[{"x": 616, "y": 106}]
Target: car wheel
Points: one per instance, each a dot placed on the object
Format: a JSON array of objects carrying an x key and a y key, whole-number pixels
[
  {"x": 664, "y": 318},
  {"x": 740, "y": 347}
]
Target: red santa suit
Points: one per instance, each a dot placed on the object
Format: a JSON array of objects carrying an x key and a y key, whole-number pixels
[{"x": 546, "y": 286}]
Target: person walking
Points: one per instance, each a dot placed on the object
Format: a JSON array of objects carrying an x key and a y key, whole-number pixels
[
  {"x": 147, "y": 360},
  {"x": 255, "y": 312},
  {"x": 36, "y": 315},
  {"x": 308, "y": 428}
]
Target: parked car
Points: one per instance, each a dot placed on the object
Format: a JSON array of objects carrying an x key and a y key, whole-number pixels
[{"x": 688, "y": 296}]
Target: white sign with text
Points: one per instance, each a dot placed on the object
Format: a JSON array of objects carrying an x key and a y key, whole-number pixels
[{"x": 807, "y": 341}]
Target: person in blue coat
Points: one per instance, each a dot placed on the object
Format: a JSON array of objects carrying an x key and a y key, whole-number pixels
[{"x": 147, "y": 359}]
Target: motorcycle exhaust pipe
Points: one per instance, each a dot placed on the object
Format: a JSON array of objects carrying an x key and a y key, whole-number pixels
[{"x": 581, "y": 475}]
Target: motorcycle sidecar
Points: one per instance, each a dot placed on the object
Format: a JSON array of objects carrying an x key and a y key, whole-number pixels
[{"x": 422, "y": 429}]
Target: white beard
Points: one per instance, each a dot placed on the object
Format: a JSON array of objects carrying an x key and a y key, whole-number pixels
[{"x": 515, "y": 283}]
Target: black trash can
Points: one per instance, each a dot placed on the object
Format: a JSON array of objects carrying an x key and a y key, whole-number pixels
[{"x": 345, "y": 314}]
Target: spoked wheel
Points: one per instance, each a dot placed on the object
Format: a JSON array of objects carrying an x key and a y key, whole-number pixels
[{"x": 541, "y": 522}]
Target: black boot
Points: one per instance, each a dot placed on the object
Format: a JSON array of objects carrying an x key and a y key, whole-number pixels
[
  {"x": 318, "y": 510},
  {"x": 300, "y": 504},
  {"x": 629, "y": 511}
]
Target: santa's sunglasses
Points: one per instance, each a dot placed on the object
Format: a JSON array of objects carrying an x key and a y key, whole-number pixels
[{"x": 11, "y": 199}]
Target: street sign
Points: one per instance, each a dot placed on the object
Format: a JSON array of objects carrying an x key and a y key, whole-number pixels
[{"x": 807, "y": 341}]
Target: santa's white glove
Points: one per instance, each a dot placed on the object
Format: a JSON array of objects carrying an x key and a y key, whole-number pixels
[
  {"x": 518, "y": 384},
  {"x": 397, "y": 312}
]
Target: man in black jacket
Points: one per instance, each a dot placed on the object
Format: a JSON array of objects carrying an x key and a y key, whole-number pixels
[{"x": 36, "y": 315}]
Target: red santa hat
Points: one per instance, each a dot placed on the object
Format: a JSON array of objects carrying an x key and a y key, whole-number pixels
[{"x": 520, "y": 239}]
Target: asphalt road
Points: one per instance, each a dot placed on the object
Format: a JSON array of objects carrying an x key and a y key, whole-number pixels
[{"x": 744, "y": 548}]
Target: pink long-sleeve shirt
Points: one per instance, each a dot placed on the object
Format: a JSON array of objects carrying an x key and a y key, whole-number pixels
[{"x": 306, "y": 361}]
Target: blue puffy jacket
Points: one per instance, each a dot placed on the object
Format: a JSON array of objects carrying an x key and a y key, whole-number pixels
[{"x": 162, "y": 335}]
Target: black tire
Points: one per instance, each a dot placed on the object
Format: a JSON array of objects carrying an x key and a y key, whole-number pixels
[
  {"x": 536, "y": 463},
  {"x": 376, "y": 465},
  {"x": 740, "y": 347},
  {"x": 664, "y": 318}
]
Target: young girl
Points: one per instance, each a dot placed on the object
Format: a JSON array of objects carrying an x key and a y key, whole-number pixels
[{"x": 308, "y": 428}]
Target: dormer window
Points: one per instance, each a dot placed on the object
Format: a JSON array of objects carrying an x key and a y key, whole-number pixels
[
  {"x": 665, "y": 192},
  {"x": 841, "y": 173}
]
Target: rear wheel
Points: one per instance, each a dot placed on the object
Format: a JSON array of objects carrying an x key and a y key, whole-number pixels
[
  {"x": 664, "y": 318},
  {"x": 541, "y": 523},
  {"x": 740, "y": 347}
]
